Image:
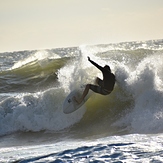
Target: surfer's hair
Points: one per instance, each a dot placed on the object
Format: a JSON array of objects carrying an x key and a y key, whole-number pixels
[{"x": 107, "y": 67}]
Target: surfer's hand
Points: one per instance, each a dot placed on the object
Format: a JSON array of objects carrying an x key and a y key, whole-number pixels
[{"x": 89, "y": 59}]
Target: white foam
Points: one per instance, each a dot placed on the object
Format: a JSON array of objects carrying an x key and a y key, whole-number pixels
[
  {"x": 77, "y": 73},
  {"x": 36, "y": 112},
  {"x": 145, "y": 85}
]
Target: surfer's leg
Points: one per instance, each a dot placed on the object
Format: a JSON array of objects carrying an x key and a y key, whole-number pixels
[
  {"x": 97, "y": 81},
  {"x": 100, "y": 82},
  {"x": 83, "y": 95},
  {"x": 95, "y": 88},
  {"x": 99, "y": 89}
]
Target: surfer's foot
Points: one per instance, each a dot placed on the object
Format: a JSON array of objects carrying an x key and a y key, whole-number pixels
[{"x": 78, "y": 101}]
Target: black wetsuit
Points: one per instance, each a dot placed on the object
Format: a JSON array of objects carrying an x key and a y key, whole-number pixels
[{"x": 107, "y": 84}]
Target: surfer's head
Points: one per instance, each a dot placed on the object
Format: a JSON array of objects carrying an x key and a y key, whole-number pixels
[{"x": 107, "y": 68}]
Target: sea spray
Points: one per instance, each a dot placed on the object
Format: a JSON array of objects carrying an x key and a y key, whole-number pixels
[{"x": 36, "y": 112}]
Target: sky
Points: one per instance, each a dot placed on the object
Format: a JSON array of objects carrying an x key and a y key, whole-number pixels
[{"x": 47, "y": 24}]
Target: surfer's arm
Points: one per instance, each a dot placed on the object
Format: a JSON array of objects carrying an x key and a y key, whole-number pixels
[{"x": 95, "y": 64}]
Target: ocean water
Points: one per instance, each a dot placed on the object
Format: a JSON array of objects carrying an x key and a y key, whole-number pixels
[{"x": 125, "y": 126}]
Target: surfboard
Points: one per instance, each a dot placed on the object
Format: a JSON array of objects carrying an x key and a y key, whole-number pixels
[{"x": 70, "y": 105}]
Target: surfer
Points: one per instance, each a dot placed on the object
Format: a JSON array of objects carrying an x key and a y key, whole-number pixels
[{"x": 103, "y": 87}]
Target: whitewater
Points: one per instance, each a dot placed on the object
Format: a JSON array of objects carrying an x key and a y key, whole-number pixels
[{"x": 125, "y": 126}]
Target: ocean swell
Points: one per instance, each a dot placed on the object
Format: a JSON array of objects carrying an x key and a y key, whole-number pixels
[{"x": 32, "y": 93}]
